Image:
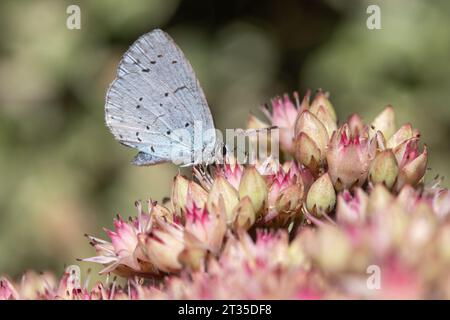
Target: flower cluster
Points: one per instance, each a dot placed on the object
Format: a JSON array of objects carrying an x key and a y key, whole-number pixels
[
  {"x": 349, "y": 199},
  {"x": 45, "y": 286},
  {"x": 401, "y": 236}
]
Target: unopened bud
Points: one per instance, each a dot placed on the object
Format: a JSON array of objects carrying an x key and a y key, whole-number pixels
[
  {"x": 307, "y": 152},
  {"x": 254, "y": 186},
  {"x": 179, "y": 194},
  {"x": 385, "y": 122},
  {"x": 321, "y": 197},
  {"x": 222, "y": 188},
  {"x": 196, "y": 195},
  {"x": 314, "y": 128},
  {"x": 406, "y": 132},
  {"x": 412, "y": 172},
  {"x": 321, "y": 100},
  {"x": 384, "y": 169},
  {"x": 245, "y": 214}
]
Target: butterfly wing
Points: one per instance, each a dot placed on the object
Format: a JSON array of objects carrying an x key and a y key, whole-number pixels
[{"x": 154, "y": 96}]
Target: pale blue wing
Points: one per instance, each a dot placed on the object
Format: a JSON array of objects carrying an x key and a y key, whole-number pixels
[{"x": 155, "y": 94}]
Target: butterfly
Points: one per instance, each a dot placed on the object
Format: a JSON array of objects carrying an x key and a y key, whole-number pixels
[{"x": 157, "y": 106}]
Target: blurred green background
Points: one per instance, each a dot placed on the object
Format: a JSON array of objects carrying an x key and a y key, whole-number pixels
[{"x": 62, "y": 173}]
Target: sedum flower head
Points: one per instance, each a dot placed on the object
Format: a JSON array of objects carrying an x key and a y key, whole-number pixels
[{"x": 348, "y": 197}]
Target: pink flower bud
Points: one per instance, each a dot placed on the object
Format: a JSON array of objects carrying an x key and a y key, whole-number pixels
[
  {"x": 311, "y": 139},
  {"x": 356, "y": 127},
  {"x": 326, "y": 118},
  {"x": 352, "y": 209},
  {"x": 284, "y": 113},
  {"x": 348, "y": 159},
  {"x": 285, "y": 196},
  {"x": 321, "y": 101},
  {"x": 412, "y": 164},
  {"x": 163, "y": 246},
  {"x": 406, "y": 132},
  {"x": 207, "y": 226},
  {"x": 232, "y": 172},
  {"x": 124, "y": 239},
  {"x": 289, "y": 202},
  {"x": 196, "y": 195},
  {"x": 314, "y": 128}
]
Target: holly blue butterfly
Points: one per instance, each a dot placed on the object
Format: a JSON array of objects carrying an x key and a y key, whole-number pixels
[{"x": 157, "y": 106}]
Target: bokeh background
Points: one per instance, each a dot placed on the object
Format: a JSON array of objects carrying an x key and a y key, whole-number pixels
[{"x": 61, "y": 172}]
